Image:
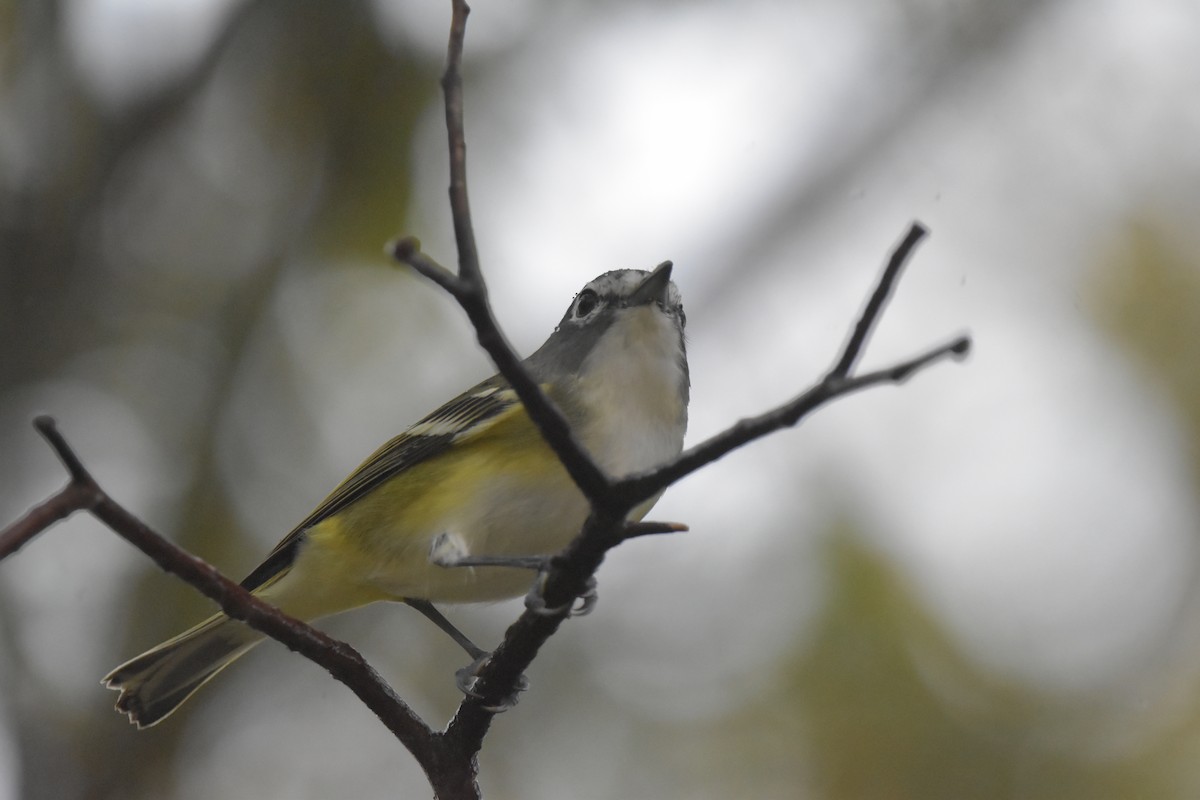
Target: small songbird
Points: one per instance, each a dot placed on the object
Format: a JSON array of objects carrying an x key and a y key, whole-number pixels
[{"x": 475, "y": 473}]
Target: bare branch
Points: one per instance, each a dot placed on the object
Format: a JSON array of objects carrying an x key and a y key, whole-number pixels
[
  {"x": 553, "y": 426},
  {"x": 448, "y": 757},
  {"x": 470, "y": 290},
  {"x": 568, "y": 573},
  {"x": 639, "y": 487},
  {"x": 633, "y": 530},
  {"x": 407, "y": 250},
  {"x": 71, "y": 498},
  {"x": 566, "y": 579},
  {"x": 452, "y": 87},
  {"x": 836, "y": 383},
  {"x": 611, "y": 501},
  {"x": 80, "y": 494},
  {"x": 879, "y": 298},
  {"x": 899, "y": 373},
  {"x": 48, "y": 428},
  {"x": 340, "y": 659}
]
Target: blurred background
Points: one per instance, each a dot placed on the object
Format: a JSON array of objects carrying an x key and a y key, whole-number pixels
[{"x": 982, "y": 584}]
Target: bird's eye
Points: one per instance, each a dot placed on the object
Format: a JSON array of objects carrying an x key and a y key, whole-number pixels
[{"x": 586, "y": 303}]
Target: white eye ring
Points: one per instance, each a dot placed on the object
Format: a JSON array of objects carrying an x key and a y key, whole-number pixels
[{"x": 587, "y": 302}]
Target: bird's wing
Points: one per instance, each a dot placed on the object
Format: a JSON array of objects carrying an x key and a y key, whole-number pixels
[{"x": 472, "y": 411}]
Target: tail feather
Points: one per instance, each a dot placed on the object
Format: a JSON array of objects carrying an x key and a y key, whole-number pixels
[{"x": 158, "y": 681}]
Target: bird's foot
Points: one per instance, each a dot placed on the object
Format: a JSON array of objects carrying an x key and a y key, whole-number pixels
[
  {"x": 449, "y": 550},
  {"x": 467, "y": 680},
  {"x": 579, "y": 606}
]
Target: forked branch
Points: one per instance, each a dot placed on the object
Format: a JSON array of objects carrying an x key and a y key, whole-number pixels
[
  {"x": 448, "y": 757},
  {"x": 568, "y": 573},
  {"x": 83, "y": 493}
]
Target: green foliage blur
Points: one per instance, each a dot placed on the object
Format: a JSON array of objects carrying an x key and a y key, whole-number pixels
[{"x": 160, "y": 249}]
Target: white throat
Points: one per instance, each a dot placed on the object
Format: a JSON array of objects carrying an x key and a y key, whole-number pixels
[{"x": 632, "y": 384}]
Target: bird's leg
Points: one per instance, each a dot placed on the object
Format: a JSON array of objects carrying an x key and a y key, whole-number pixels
[
  {"x": 467, "y": 677},
  {"x": 437, "y": 618},
  {"x": 450, "y": 551}
]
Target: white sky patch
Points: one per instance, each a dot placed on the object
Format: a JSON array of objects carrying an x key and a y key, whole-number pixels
[
  {"x": 660, "y": 129},
  {"x": 124, "y": 47},
  {"x": 662, "y": 124}
]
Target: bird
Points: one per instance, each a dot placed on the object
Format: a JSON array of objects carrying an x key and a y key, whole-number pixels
[{"x": 475, "y": 474}]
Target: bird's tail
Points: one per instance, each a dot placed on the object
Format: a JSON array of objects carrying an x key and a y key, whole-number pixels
[{"x": 158, "y": 681}]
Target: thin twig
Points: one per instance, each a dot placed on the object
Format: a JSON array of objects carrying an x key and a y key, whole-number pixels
[
  {"x": 647, "y": 484},
  {"x": 555, "y": 429},
  {"x": 470, "y": 290},
  {"x": 460, "y": 208},
  {"x": 837, "y": 383},
  {"x": 407, "y": 250},
  {"x": 449, "y": 757},
  {"x": 901, "y": 372},
  {"x": 633, "y": 530},
  {"x": 48, "y": 428},
  {"x": 611, "y": 501},
  {"x": 879, "y": 297},
  {"x": 569, "y": 571},
  {"x": 71, "y": 498},
  {"x": 80, "y": 494}
]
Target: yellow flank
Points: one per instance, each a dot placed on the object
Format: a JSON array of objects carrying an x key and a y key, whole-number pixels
[
  {"x": 378, "y": 547},
  {"x": 475, "y": 477}
]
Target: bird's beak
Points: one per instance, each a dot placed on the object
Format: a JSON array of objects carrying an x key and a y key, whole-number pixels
[{"x": 653, "y": 288}]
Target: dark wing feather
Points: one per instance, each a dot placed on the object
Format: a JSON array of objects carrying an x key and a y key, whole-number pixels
[{"x": 427, "y": 438}]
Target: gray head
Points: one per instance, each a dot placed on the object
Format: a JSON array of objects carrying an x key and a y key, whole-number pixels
[
  {"x": 617, "y": 369},
  {"x": 641, "y": 312}
]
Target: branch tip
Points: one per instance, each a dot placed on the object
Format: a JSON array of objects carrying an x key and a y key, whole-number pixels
[
  {"x": 403, "y": 248},
  {"x": 879, "y": 297},
  {"x": 901, "y": 372},
  {"x": 632, "y": 530},
  {"x": 47, "y": 426},
  {"x": 407, "y": 250}
]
